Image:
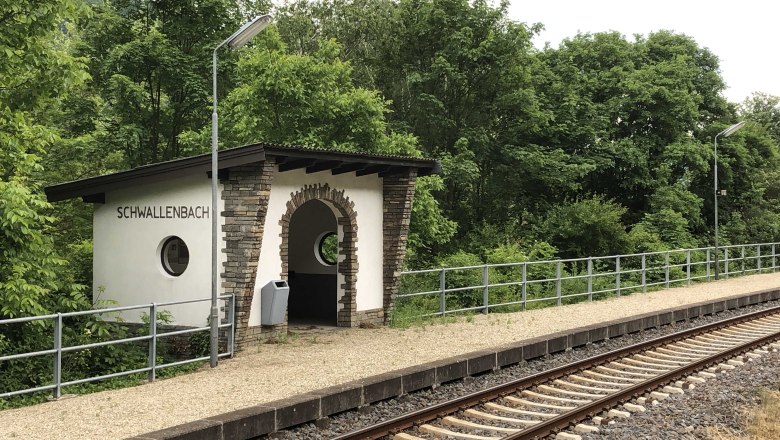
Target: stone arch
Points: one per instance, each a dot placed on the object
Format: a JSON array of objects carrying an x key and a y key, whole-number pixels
[{"x": 347, "y": 263}]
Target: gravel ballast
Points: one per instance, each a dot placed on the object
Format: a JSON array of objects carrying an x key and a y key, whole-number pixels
[
  {"x": 718, "y": 405},
  {"x": 305, "y": 364}
]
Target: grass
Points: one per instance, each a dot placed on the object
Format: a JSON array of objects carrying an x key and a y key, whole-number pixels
[
  {"x": 407, "y": 316},
  {"x": 101, "y": 385},
  {"x": 762, "y": 422}
]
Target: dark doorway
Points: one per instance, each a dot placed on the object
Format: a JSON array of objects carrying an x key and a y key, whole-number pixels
[{"x": 312, "y": 265}]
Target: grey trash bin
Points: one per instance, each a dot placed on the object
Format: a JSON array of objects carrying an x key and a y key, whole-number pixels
[{"x": 273, "y": 302}]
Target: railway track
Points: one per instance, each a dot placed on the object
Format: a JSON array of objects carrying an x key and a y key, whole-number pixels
[{"x": 580, "y": 396}]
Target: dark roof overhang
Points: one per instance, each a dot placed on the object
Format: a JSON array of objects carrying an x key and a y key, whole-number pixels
[{"x": 287, "y": 158}]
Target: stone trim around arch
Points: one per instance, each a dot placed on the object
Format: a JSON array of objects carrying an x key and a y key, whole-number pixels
[{"x": 347, "y": 265}]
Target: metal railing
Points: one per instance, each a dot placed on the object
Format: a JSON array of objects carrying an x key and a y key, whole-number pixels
[
  {"x": 152, "y": 338},
  {"x": 516, "y": 286}
]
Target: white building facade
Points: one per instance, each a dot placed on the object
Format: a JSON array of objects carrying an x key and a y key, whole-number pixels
[{"x": 333, "y": 225}]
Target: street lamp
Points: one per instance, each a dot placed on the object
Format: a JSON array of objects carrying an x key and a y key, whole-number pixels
[
  {"x": 725, "y": 133},
  {"x": 238, "y": 39}
]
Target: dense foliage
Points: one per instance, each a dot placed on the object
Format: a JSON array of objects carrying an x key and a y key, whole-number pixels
[{"x": 601, "y": 145}]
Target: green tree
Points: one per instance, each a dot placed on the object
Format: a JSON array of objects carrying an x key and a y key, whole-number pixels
[
  {"x": 151, "y": 74},
  {"x": 458, "y": 75},
  {"x": 429, "y": 229},
  {"x": 150, "y": 80},
  {"x": 306, "y": 100},
  {"x": 36, "y": 70},
  {"x": 635, "y": 110},
  {"x": 764, "y": 110},
  {"x": 365, "y": 29},
  {"x": 584, "y": 228},
  {"x": 312, "y": 100}
]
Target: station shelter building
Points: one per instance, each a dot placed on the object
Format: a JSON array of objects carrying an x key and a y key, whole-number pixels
[{"x": 334, "y": 225}]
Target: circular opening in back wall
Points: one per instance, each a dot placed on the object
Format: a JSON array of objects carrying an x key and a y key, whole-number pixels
[
  {"x": 174, "y": 256},
  {"x": 328, "y": 248}
]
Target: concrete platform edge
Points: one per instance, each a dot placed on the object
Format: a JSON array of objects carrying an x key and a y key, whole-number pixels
[{"x": 273, "y": 416}]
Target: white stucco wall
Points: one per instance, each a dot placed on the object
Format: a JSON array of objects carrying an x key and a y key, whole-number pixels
[
  {"x": 366, "y": 193},
  {"x": 127, "y": 264}
]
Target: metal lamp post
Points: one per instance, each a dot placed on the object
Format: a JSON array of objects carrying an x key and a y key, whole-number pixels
[
  {"x": 725, "y": 133},
  {"x": 238, "y": 39}
]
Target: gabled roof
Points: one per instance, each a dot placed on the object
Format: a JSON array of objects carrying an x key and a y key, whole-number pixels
[{"x": 287, "y": 158}]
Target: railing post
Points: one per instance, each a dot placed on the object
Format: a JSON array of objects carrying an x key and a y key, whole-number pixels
[
  {"x": 758, "y": 257},
  {"x": 617, "y": 275},
  {"x": 590, "y": 279},
  {"x": 58, "y": 356},
  {"x": 708, "y": 264},
  {"x": 774, "y": 266},
  {"x": 232, "y": 329},
  {"x": 152, "y": 341},
  {"x": 558, "y": 282},
  {"x": 666, "y": 268},
  {"x": 442, "y": 288},
  {"x": 688, "y": 266},
  {"x": 485, "y": 293},
  {"x": 644, "y": 273},
  {"x": 524, "y": 291},
  {"x": 743, "y": 259},
  {"x": 726, "y": 262}
]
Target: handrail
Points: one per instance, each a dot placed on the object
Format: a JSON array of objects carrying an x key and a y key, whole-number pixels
[
  {"x": 524, "y": 282},
  {"x": 152, "y": 337}
]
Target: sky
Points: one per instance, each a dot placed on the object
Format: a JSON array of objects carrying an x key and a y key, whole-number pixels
[{"x": 743, "y": 34}]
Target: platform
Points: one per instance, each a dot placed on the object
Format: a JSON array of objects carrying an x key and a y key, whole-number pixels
[{"x": 314, "y": 374}]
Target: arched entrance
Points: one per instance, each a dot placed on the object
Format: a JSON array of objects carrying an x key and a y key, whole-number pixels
[
  {"x": 312, "y": 265},
  {"x": 319, "y": 234}
]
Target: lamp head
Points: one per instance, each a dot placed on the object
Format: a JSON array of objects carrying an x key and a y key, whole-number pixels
[
  {"x": 729, "y": 131},
  {"x": 248, "y": 31}
]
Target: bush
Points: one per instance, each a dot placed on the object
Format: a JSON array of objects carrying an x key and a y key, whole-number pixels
[{"x": 586, "y": 227}]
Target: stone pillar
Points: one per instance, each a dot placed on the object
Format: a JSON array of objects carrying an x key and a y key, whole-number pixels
[
  {"x": 398, "y": 193},
  {"x": 348, "y": 269},
  {"x": 246, "y": 193}
]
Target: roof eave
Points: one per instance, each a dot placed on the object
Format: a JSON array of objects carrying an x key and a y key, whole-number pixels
[{"x": 91, "y": 189}]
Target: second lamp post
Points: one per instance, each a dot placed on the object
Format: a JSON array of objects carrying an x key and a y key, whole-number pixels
[{"x": 725, "y": 133}]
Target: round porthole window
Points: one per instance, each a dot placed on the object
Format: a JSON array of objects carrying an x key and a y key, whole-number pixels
[
  {"x": 175, "y": 256},
  {"x": 328, "y": 248}
]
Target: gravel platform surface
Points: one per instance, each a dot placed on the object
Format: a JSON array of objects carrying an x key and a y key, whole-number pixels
[
  {"x": 352, "y": 420},
  {"x": 308, "y": 363}
]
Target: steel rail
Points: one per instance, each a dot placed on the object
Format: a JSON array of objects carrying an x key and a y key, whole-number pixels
[
  {"x": 405, "y": 421},
  {"x": 551, "y": 426}
]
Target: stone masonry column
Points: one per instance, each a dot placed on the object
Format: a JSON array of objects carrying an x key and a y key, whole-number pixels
[
  {"x": 398, "y": 193},
  {"x": 246, "y": 193}
]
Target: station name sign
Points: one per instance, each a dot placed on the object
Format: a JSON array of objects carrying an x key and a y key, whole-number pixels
[{"x": 162, "y": 212}]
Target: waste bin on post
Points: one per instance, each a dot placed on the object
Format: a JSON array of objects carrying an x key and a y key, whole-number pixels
[{"x": 273, "y": 302}]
